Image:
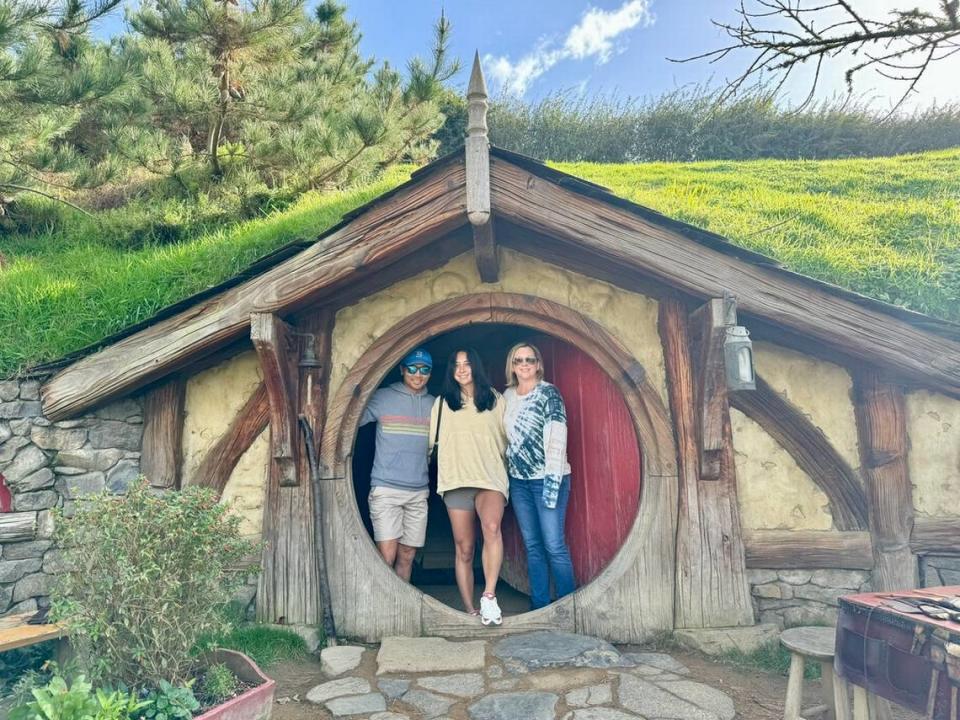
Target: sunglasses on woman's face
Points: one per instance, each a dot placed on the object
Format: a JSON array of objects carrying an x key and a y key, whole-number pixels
[
  {"x": 414, "y": 369},
  {"x": 524, "y": 361}
]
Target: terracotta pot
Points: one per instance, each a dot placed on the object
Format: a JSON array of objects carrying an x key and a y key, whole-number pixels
[{"x": 254, "y": 704}]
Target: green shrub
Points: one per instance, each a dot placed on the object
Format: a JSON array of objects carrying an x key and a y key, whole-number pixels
[
  {"x": 60, "y": 700},
  {"x": 25, "y": 662},
  {"x": 218, "y": 684},
  {"x": 170, "y": 702},
  {"x": 148, "y": 574}
]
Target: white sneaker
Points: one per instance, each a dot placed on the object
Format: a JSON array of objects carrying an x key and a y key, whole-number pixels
[{"x": 490, "y": 611}]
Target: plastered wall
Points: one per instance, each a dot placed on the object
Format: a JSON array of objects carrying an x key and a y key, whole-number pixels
[
  {"x": 774, "y": 493},
  {"x": 213, "y": 399},
  {"x": 933, "y": 424},
  {"x": 629, "y": 317}
]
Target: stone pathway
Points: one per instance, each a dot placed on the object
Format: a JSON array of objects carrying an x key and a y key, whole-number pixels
[{"x": 535, "y": 676}]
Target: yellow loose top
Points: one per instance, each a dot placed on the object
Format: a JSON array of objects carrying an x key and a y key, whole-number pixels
[{"x": 472, "y": 447}]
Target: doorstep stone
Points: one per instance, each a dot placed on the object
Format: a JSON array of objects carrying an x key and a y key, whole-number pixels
[
  {"x": 422, "y": 654},
  {"x": 716, "y": 641},
  {"x": 548, "y": 649}
]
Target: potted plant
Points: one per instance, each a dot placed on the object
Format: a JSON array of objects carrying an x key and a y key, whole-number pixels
[{"x": 147, "y": 578}]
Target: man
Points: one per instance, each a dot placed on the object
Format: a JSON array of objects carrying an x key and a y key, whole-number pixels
[{"x": 398, "y": 482}]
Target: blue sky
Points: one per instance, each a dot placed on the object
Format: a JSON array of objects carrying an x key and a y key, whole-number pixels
[{"x": 619, "y": 47}]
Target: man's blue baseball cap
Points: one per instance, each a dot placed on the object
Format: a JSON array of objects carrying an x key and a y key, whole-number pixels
[{"x": 419, "y": 357}]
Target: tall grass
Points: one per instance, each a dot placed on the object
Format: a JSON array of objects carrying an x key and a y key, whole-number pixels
[{"x": 687, "y": 125}]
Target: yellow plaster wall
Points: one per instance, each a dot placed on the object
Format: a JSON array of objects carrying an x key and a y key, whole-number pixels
[
  {"x": 213, "y": 399},
  {"x": 774, "y": 493},
  {"x": 933, "y": 424},
  {"x": 821, "y": 390},
  {"x": 629, "y": 317},
  {"x": 246, "y": 488}
]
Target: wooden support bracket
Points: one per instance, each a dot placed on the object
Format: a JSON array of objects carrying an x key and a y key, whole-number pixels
[
  {"x": 708, "y": 328},
  {"x": 162, "y": 433},
  {"x": 485, "y": 252},
  {"x": 273, "y": 340}
]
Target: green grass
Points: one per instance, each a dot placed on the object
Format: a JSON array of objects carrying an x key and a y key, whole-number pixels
[
  {"x": 888, "y": 228},
  {"x": 771, "y": 657},
  {"x": 264, "y": 644}
]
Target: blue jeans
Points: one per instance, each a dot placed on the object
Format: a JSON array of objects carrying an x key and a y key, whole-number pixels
[{"x": 542, "y": 530}]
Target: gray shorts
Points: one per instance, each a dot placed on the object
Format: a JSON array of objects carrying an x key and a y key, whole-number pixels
[
  {"x": 464, "y": 498},
  {"x": 399, "y": 515}
]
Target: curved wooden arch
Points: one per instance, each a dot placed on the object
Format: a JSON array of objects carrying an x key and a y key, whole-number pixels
[
  {"x": 630, "y": 599},
  {"x": 811, "y": 450}
]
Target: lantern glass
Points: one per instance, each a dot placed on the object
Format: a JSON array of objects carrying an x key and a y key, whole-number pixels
[{"x": 738, "y": 359}]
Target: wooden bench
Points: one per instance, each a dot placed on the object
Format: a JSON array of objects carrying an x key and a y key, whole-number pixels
[{"x": 15, "y": 632}]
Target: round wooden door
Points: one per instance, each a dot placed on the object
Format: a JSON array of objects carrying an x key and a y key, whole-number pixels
[{"x": 604, "y": 462}]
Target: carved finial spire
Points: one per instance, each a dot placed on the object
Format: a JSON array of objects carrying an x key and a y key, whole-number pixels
[{"x": 477, "y": 100}]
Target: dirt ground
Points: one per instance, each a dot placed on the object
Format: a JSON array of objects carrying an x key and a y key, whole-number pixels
[{"x": 756, "y": 695}]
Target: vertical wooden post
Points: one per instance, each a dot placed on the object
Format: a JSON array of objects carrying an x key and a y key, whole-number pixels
[
  {"x": 478, "y": 177},
  {"x": 882, "y": 428},
  {"x": 712, "y": 588},
  {"x": 287, "y": 591},
  {"x": 163, "y": 434}
]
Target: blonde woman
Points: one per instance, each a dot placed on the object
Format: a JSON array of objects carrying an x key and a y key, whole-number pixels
[
  {"x": 471, "y": 475},
  {"x": 536, "y": 423}
]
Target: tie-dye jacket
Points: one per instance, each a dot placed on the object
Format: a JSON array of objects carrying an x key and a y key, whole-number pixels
[{"x": 536, "y": 425}]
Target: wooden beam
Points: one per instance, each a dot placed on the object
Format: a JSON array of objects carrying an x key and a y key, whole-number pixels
[
  {"x": 477, "y": 151},
  {"x": 708, "y": 326},
  {"x": 163, "y": 433},
  {"x": 218, "y": 464},
  {"x": 811, "y": 450},
  {"x": 882, "y": 429},
  {"x": 485, "y": 252},
  {"x": 407, "y": 220},
  {"x": 276, "y": 347},
  {"x": 808, "y": 549},
  {"x": 694, "y": 268},
  {"x": 712, "y": 588},
  {"x": 17, "y": 526},
  {"x": 933, "y": 535}
]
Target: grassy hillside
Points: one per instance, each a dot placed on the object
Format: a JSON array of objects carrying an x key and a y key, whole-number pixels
[{"x": 888, "y": 228}]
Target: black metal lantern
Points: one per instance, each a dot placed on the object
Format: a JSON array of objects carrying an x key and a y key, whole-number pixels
[{"x": 738, "y": 359}]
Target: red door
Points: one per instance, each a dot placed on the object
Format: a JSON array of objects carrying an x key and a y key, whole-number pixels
[{"x": 604, "y": 461}]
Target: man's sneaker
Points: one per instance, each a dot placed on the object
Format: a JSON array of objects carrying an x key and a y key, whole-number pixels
[{"x": 490, "y": 610}]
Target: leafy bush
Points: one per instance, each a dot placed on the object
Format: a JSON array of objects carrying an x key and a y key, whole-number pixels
[
  {"x": 170, "y": 702},
  {"x": 24, "y": 662},
  {"x": 218, "y": 684},
  {"x": 148, "y": 574},
  {"x": 58, "y": 700}
]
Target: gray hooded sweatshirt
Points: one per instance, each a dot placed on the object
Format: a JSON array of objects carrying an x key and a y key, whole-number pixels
[{"x": 403, "y": 427}]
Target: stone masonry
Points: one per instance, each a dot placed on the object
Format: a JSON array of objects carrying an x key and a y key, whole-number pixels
[
  {"x": 803, "y": 597},
  {"x": 49, "y": 465}
]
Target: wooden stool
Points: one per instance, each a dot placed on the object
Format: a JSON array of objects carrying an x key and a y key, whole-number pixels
[{"x": 815, "y": 643}]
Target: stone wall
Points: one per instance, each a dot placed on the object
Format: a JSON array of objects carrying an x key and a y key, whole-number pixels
[
  {"x": 49, "y": 465},
  {"x": 936, "y": 570},
  {"x": 802, "y": 597}
]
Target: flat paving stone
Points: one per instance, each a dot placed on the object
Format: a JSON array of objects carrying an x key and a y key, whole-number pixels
[
  {"x": 340, "y": 659},
  {"x": 510, "y": 706},
  {"x": 557, "y": 680},
  {"x": 592, "y": 695},
  {"x": 389, "y": 716},
  {"x": 658, "y": 660},
  {"x": 337, "y": 688},
  {"x": 429, "y": 704},
  {"x": 644, "y": 698},
  {"x": 357, "y": 705},
  {"x": 599, "y": 713},
  {"x": 704, "y": 696},
  {"x": 548, "y": 649},
  {"x": 393, "y": 687},
  {"x": 495, "y": 671},
  {"x": 422, "y": 654},
  {"x": 501, "y": 685},
  {"x": 465, "y": 685}
]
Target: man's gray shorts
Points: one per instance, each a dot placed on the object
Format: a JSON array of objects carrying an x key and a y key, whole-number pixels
[{"x": 399, "y": 515}]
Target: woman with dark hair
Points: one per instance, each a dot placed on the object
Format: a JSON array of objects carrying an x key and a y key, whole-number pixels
[{"x": 467, "y": 423}]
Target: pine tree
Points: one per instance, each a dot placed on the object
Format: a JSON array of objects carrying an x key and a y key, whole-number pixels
[
  {"x": 51, "y": 72},
  {"x": 261, "y": 94}
]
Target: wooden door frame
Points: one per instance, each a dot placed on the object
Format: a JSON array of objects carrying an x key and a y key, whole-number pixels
[{"x": 631, "y": 599}]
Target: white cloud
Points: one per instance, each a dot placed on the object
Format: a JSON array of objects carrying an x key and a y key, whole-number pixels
[{"x": 592, "y": 37}]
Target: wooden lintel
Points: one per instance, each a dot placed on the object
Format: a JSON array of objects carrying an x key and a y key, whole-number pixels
[
  {"x": 936, "y": 535},
  {"x": 485, "y": 252},
  {"x": 708, "y": 326},
  {"x": 807, "y": 549},
  {"x": 163, "y": 433},
  {"x": 274, "y": 342}
]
